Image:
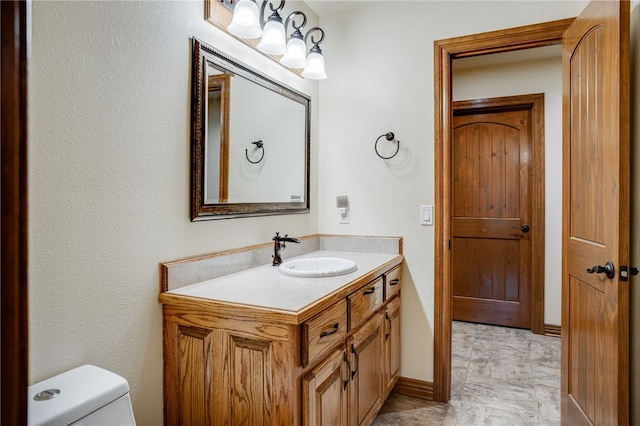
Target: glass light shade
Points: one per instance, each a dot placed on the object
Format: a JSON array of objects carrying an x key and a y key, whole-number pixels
[
  {"x": 273, "y": 40},
  {"x": 245, "y": 22},
  {"x": 315, "y": 67},
  {"x": 296, "y": 56}
]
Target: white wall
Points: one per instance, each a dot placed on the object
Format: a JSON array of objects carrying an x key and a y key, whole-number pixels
[
  {"x": 379, "y": 60},
  {"x": 109, "y": 135},
  {"x": 521, "y": 78}
]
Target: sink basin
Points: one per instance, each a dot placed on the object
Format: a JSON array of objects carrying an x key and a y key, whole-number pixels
[{"x": 317, "y": 267}]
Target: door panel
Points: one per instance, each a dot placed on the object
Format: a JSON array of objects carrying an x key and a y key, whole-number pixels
[
  {"x": 595, "y": 318},
  {"x": 324, "y": 392},
  {"x": 491, "y": 255}
]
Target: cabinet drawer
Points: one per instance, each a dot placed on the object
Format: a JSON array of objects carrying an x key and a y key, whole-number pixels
[
  {"x": 392, "y": 282},
  {"x": 364, "y": 302},
  {"x": 323, "y": 331}
]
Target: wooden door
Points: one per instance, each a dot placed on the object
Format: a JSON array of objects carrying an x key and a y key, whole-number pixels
[
  {"x": 595, "y": 307},
  {"x": 324, "y": 392},
  {"x": 365, "y": 350},
  {"x": 491, "y": 218}
]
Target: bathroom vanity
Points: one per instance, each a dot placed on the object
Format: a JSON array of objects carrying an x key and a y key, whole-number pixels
[{"x": 258, "y": 347}]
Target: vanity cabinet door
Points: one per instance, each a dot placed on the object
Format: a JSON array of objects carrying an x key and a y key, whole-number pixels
[
  {"x": 324, "y": 391},
  {"x": 189, "y": 390},
  {"x": 366, "y": 353},
  {"x": 391, "y": 343}
]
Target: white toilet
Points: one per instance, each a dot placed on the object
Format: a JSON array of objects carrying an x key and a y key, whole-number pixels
[{"x": 86, "y": 395}]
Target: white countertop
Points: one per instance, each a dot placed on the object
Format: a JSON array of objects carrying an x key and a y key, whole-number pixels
[{"x": 264, "y": 286}]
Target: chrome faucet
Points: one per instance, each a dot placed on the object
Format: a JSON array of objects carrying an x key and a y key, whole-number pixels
[{"x": 279, "y": 245}]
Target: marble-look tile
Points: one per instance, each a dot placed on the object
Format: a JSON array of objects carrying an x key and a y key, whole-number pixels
[
  {"x": 500, "y": 369},
  {"x": 544, "y": 348},
  {"x": 499, "y": 376},
  {"x": 459, "y": 369},
  {"x": 546, "y": 373},
  {"x": 549, "y": 399},
  {"x": 462, "y": 345},
  {"x": 402, "y": 410},
  {"x": 463, "y": 327},
  {"x": 513, "y": 350},
  {"x": 501, "y": 396},
  {"x": 397, "y": 403},
  {"x": 472, "y": 415}
]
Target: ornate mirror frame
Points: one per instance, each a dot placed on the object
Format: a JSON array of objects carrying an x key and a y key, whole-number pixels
[{"x": 202, "y": 56}]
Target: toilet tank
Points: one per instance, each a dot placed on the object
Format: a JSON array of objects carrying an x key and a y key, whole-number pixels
[{"x": 87, "y": 395}]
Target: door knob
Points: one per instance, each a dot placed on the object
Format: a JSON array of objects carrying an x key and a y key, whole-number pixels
[
  {"x": 524, "y": 228},
  {"x": 608, "y": 269}
]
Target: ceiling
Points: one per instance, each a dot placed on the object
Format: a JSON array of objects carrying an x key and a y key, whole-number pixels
[
  {"x": 329, "y": 7},
  {"x": 324, "y": 8}
]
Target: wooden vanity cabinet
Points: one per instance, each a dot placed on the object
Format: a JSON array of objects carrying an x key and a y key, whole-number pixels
[{"x": 228, "y": 364}]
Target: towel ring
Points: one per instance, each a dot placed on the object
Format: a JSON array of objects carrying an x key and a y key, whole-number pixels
[
  {"x": 388, "y": 136},
  {"x": 258, "y": 144}
]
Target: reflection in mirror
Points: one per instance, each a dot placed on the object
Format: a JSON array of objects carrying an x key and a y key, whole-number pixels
[
  {"x": 250, "y": 141},
  {"x": 217, "y": 131}
]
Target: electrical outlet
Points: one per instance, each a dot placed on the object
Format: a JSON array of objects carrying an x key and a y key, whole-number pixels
[{"x": 343, "y": 214}]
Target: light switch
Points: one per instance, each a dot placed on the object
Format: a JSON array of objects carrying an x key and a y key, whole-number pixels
[{"x": 426, "y": 214}]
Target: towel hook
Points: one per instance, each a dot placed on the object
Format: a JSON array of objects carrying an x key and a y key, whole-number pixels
[
  {"x": 259, "y": 145},
  {"x": 388, "y": 136}
]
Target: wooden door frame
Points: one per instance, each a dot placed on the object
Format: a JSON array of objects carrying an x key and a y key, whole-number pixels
[
  {"x": 534, "y": 103},
  {"x": 14, "y": 288},
  {"x": 530, "y": 36}
]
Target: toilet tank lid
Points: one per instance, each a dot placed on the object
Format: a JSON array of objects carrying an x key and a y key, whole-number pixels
[{"x": 83, "y": 390}]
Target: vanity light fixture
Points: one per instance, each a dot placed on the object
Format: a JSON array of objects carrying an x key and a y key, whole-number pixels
[{"x": 248, "y": 23}]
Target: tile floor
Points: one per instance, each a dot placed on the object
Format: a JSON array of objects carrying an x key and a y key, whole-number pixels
[{"x": 500, "y": 376}]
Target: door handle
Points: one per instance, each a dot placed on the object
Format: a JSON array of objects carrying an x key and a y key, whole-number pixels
[
  {"x": 387, "y": 334},
  {"x": 607, "y": 269},
  {"x": 354, "y": 372},
  {"x": 524, "y": 228},
  {"x": 345, "y": 383},
  {"x": 334, "y": 329}
]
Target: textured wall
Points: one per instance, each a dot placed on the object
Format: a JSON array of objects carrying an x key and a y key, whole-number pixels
[
  {"x": 380, "y": 64},
  {"x": 109, "y": 86}
]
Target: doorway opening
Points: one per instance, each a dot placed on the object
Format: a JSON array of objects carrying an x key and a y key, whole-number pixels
[{"x": 446, "y": 51}]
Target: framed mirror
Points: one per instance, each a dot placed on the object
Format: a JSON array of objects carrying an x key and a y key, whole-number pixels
[{"x": 250, "y": 141}]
